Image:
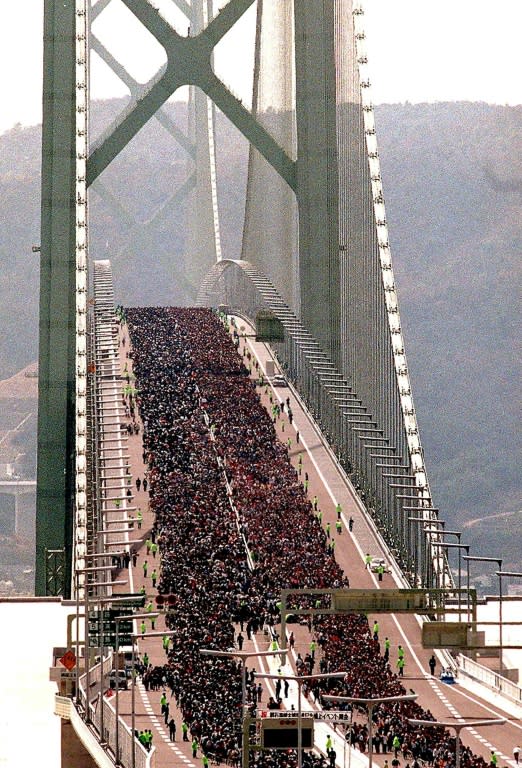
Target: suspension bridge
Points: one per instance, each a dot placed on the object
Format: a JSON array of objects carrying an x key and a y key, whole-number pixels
[{"x": 315, "y": 259}]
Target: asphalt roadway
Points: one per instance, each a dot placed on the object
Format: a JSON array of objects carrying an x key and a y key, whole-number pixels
[{"x": 326, "y": 481}]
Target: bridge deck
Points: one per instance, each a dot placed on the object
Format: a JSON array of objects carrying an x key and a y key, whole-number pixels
[{"x": 330, "y": 486}]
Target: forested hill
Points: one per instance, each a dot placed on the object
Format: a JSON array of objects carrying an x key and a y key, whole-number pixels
[{"x": 453, "y": 187}]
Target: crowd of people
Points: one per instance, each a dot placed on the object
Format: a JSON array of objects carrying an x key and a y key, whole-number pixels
[{"x": 219, "y": 478}]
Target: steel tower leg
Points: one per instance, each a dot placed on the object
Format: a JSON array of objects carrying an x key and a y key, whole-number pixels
[
  {"x": 56, "y": 374},
  {"x": 317, "y": 172}
]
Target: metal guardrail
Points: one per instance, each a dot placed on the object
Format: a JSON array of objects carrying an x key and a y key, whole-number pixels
[
  {"x": 487, "y": 677},
  {"x": 144, "y": 759}
]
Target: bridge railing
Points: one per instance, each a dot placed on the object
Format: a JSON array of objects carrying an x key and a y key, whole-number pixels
[
  {"x": 489, "y": 678},
  {"x": 144, "y": 759}
]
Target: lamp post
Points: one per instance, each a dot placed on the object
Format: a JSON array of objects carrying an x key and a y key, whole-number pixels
[
  {"x": 242, "y": 656},
  {"x": 300, "y": 680},
  {"x": 457, "y": 727},
  {"x": 371, "y": 703},
  {"x": 459, "y": 546},
  {"x": 498, "y": 560},
  {"x": 86, "y": 586},
  {"x": 134, "y": 638},
  {"x": 508, "y": 574}
]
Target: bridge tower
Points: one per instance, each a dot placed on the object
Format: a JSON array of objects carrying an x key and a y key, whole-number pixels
[{"x": 315, "y": 145}]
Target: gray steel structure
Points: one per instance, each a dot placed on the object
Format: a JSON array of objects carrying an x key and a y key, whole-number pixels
[{"x": 314, "y": 159}]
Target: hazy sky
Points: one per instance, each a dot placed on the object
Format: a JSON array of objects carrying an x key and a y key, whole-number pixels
[{"x": 419, "y": 50}]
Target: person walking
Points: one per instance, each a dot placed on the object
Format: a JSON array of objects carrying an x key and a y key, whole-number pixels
[
  {"x": 139, "y": 517},
  {"x": 145, "y": 567},
  {"x": 154, "y": 577},
  {"x": 338, "y": 527},
  {"x": 367, "y": 560},
  {"x": 516, "y": 754},
  {"x": 240, "y": 641},
  {"x": 431, "y": 663},
  {"x": 375, "y": 630},
  {"x": 172, "y": 729},
  {"x": 400, "y": 666},
  {"x": 194, "y": 747},
  {"x": 350, "y": 524},
  {"x": 163, "y": 702},
  {"x": 184, "y": 731},
  {"x": 386, "y": 649},
  {"x": 338, "y": 510}
]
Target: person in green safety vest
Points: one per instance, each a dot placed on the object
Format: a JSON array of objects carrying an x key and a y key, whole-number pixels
[
  {"x": 396, "y": 744},
  {"x": 380, "y": 571},
  {"x": 400, "y": 666},
  {"x": 338, "y": 510},
  {"x": 154, "y": 549},
  {"x": 400, "y": 652},
  {"x": 204, "y": 761},
  {"x": 194, "y": 747},
  {"x": 367, "y": 559},
  {"x": 375, "y": 630},
  {"x": 163, "y": 702},
  {"x": 143, "y": 627},
  {"x": 338, "y": 527},
  {"x": 328, "y": 530},
  {"x": 184, "y": 730},
  {"x": 139, "y": 516}
]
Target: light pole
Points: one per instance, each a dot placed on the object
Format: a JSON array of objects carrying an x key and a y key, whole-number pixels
[
  {"x": 134, "y": 638},
  {"x": 459, "y": 546},
  {"x": 507, "y": 574},
  {"x": 498, "y": 560},
  {"x": 300, "y": 680},
  {"x": 457, "y": 727},
  {"x": 371, "y": 703},
  {"x": 94, "y": 569},
  {"x": 242, "y": 656}
]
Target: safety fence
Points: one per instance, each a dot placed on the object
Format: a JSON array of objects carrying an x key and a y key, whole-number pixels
[
  {"x": 487, "y": 677},
  {"x": 102, "y": 719}
]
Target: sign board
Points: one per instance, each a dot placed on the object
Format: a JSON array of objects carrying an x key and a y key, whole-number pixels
[
  {"x": 68, "y": 660},
  {"x": 268, "y": 327},
  {"x": 282, "y": 733},
  {"x": 382, "y": 601},
  {"x": 328, "y": 716},
  {"x": 450, "y": 634},
  {"x": 108, "y": 640}
]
